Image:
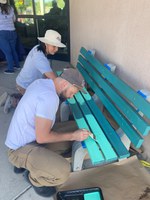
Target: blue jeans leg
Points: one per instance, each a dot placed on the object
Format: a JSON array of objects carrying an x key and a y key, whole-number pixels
[
  {"x": 8, "y": 46},
  {"x": 13, "y": 42}
]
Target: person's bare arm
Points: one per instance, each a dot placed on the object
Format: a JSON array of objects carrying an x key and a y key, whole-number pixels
[
  {"x": 50, "y": 75},
  {"x": 45, "y": 135}
]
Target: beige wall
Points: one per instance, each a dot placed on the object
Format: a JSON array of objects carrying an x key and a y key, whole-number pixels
[{"x": 119, "y": 30}]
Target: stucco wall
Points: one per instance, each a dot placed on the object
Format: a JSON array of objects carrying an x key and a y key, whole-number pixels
[{"x": 119, "y": 30}]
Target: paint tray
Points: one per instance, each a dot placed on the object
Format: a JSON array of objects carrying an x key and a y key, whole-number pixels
[{"x": 94, "y": 193}]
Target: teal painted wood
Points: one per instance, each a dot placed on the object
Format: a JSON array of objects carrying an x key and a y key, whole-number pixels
[
  {"x": 123, "y": 88},
  {"x": 121, "y": 103},
  {"x": 111, "y": 135},
  {"x": 104, "y": 144},
  {"x": 92, "y": 148},
  {"x": 135, "y": 138},
  {"x": 58, "y": 73}
]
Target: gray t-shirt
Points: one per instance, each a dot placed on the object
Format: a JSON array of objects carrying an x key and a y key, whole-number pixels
[
  {"x": 40, "y": 99},
  {"x": 36, "y": 64}
]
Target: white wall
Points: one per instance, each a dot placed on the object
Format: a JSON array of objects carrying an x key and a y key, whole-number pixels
[{"x": 119, "y": 30}]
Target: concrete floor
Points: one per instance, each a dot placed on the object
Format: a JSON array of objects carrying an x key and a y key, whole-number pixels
[{"x": 13, "y": 186}]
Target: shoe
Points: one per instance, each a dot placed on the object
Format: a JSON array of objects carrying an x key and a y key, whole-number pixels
[
  {"x": 17, "y": 68},
  {"x": 26, "y": 176},
  {"x": 8, "y": 104},
  {"x": 9, "y": 71},
  {"x": 3, "y": 98},
  {"x": 44, "y": 191},
  {"x": 18, "y": 170}
]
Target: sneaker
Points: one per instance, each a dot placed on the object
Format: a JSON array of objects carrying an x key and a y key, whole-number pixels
[
  {"x": 9, "y": 71},
  {"x": 3, "y": 98},
  {"x": 26, "y": 176},
  {"x": 17, "y": 68},
  {"x": 18, "y": 170},
  {"x": 44, "y": 191},
  {"x": 8, "y": 104}
]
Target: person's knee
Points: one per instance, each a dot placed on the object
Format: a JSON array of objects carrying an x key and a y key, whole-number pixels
[
  {"x": 63, "y": 173},
  {"x": 52, "y": 177},
  {"x": 47, "y": 167},
  {"x": 60, "y": 172}
]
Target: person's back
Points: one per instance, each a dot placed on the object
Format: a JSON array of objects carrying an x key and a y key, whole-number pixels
[
  {"x": 36, "y": 64},
  {"x": 34, "y": 103}
]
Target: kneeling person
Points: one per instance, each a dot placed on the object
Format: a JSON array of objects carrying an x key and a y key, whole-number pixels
[{"x": 33, "y": 142}]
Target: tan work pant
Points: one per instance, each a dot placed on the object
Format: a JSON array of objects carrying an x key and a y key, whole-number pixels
[{"x": 43, "y": 161}]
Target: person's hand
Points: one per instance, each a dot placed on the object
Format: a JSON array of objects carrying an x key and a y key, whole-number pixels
[{"x": 81, "y": 134}]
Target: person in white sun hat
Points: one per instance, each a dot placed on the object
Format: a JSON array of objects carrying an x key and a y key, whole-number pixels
[{"x": 36, "y": 65}]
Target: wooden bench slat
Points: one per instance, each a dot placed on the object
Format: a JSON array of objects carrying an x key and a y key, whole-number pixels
[
  {"x": 104, "y": 144},
  {"x": 92, "y": 148},
  {"x": 58, "y": 73},
  {"x": 123, "y": 105},
  {"x": 110, "y": 133},
  {"x": 135, "y": 138},
  {"x": 120, "y": 85}
]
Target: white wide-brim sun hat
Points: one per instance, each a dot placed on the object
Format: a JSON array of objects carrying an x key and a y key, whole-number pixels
[
  {"x": 53, "y": 38},
  {"x": 3, "y": 1}
]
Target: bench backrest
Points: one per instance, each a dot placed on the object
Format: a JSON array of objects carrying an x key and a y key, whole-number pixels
[{"x": 123, "y": 103}]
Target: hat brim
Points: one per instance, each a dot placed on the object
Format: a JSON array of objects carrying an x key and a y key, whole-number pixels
[
  {"x": 80, "y": 88},
  {"x": 44, "y": 40}
]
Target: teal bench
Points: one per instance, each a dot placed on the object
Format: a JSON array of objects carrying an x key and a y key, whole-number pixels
[{"x": 123, "y": 104}]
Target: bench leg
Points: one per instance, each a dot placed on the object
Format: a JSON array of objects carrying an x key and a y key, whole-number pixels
[
  {"x": 78, "y": 155},
  {"x": 98, "y": 102},
  {"x": 146, "y": 148},
  {"x": 64, "y": 111},
  {"x": 124, "y": 138}
]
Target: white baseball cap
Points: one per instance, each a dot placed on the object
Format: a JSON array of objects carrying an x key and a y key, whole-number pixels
[
  {"x": 52, "y": 37},
  {"x": 3, "y": 1}
]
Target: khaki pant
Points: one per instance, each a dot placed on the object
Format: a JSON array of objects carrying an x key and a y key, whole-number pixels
[{"x": 44, "y": 162}]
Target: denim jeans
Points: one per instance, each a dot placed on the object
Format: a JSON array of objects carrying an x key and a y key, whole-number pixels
[{"x": 8, "y": 46}]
